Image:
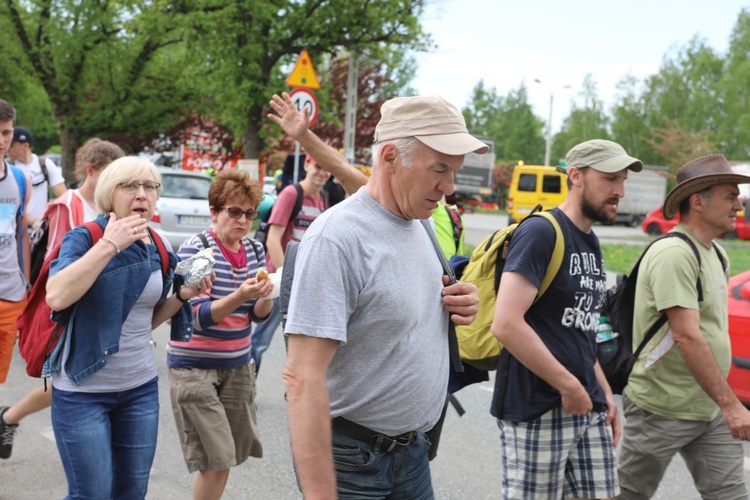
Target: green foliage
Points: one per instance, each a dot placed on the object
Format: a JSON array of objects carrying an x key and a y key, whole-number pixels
[
  {"x": 587, "y": 121},
  {"x": 509, "y": 120},
  {"x": 245, "y": 48}
]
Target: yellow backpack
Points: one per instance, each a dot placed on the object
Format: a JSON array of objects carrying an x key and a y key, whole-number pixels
[{"x": 478, "y": 347}]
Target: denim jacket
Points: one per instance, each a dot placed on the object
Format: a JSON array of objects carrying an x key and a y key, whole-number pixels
[{"x": 93, "y": 330}]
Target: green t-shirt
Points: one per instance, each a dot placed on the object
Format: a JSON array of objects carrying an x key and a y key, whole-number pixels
[
  {"x": 444, "y": 232},
  {"x": 661, "y": 381}
]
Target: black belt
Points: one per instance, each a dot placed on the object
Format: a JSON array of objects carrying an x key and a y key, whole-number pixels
[{"x": 381, "y": 442}]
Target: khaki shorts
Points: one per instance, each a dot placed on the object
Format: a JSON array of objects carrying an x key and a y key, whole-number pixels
[
  {"x": 649, "y": 442},
  {"x": 215, "y": 415}
]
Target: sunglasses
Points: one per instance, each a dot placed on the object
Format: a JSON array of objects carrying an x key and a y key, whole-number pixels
[
  {"x": 236, "y": 213},
  {"x": 150, "y": 187}
]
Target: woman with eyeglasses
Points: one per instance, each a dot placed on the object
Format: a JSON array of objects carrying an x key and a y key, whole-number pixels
[
  {"x": 105, "y": 405},
  {"x": 211, "y": 377}
]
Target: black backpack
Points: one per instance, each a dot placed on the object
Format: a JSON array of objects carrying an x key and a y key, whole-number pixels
[{"x": 619, "y": 305}]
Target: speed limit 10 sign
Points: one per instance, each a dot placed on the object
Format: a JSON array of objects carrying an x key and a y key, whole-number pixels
[{"x": 304, "y": 99}]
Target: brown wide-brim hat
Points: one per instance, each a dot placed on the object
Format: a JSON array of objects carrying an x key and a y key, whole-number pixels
[{"x": 697, "y": 175}]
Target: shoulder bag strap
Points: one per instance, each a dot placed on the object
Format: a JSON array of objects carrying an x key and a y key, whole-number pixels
[{"x": 452, "y": 339}]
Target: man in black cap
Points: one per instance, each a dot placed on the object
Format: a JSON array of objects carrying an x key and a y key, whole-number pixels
[
  {"x": 678, "y": 399},
  {"x": 44, "y": 175}
]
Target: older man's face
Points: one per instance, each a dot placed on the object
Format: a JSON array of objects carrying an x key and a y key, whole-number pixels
[{"x": 417, "y": 189}]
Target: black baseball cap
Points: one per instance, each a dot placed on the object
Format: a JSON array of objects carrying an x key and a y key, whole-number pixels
[{"x": 21, "y": 134}]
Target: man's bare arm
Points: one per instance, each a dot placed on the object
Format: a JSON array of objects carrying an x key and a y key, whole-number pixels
[
  {"x": 309, "y": 411},
  {"x": 700, "y": 360},
  {"x": 297, "y": 125},
  {"x": 509, "y": 326}
]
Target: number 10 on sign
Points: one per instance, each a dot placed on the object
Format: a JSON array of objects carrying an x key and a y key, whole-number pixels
[{"x": 304, "y": 99}]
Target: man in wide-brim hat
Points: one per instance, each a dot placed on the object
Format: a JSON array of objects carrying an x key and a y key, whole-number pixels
[{"x": 678, "y": 399}]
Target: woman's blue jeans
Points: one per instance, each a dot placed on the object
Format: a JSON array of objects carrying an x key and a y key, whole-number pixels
[{"x": 107, "y": 441}]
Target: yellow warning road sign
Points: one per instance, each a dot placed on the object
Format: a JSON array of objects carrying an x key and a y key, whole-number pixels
[{"x": 303, "y": 74}]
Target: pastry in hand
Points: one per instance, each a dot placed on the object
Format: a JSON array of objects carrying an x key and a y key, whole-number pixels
[{"x": 262, "y": 274}]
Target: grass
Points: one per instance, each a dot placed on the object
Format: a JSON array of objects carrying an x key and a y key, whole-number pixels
[{"x": 619, "y": 258}]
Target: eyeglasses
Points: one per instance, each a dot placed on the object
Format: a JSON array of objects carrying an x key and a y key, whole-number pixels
[
  {"x": 150, "y": 187},
  {"x": 236, "y": 213}
]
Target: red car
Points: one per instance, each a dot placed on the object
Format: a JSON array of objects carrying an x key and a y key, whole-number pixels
[
  {"x": 739, "y": 326},
  {"x": 655, "y": 224}
]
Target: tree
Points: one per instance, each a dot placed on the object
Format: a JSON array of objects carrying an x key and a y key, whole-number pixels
[
  {"x": 685, "y": 89},
  {"x": 242, "y": 47},
  {"x": 376, "y": 83},
  {"x": 508, "y": 120},
  {"x": 583, "y": 123},
  {"x": 678, "y": 146},
  {"x": 97, "y": 63},
  {"x": 629, "y": 121},
  {"x": 733, "y": 130}
]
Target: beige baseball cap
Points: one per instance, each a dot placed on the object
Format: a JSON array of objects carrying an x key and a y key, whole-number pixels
[
  {"x": 602, "y": 155},
  {"x": 430, "y": 119}
]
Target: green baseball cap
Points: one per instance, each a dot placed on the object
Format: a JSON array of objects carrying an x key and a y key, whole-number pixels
[{"x": 602, "y": 155}]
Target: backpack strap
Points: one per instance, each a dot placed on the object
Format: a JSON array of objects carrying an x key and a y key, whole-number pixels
[
  {"x": 163, "y": 252},
  {"x": 43, "y": 166},
  {"x": 297, "y": 204},
  {"x": 455, "y": 355},
  {"x": 663, "y": 318},
  {"x": 206, "y": 244},
  {"x": 558, "y": 254}
]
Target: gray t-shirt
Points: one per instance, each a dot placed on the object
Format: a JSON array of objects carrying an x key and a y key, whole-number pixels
[
  {"x": 133, "y": 365},
  {"x": 372, "y": 281}
]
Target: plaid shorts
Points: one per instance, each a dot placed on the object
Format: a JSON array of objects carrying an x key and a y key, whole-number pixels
[{"x": 559, "y": 455}]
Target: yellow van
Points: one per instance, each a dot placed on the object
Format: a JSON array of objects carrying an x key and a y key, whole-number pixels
[{"x": 533, "y": 185}]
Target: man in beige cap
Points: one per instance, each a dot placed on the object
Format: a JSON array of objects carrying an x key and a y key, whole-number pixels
[
  {"x": 557, "y": 416},
  {"x": 677, "y": 399},
  {"x": 367, "y": 365}
]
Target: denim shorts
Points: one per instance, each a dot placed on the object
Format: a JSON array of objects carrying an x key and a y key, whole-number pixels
[
  {"x": 214, "y": 411},
  {"x": 364, "y": 472}
]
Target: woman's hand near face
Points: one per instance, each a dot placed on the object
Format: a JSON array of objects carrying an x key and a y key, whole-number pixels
[{"x": 124, "y": 232}]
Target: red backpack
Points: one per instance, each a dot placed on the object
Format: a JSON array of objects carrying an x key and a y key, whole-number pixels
[{"x": 37, "y": 332}]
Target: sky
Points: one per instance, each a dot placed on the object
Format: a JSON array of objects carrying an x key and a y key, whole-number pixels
[{"x": 559, "y": 42}]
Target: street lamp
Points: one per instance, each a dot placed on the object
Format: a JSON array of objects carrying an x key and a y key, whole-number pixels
[{"x": 549, "y": 120}]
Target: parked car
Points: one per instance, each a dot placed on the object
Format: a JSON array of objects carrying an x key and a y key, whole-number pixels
[
  {"x": 269, "y": 185},
  {"x": 739, "y": 334},
  {"x": 182, "y": 210},
  {"x": 655, "y": 224}
]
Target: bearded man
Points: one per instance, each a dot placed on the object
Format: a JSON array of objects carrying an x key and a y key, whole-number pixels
[{"x": 557, "y": 416}]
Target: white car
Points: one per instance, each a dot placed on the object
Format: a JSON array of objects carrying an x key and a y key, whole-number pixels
[
  {"x": 182, "y": 210},
  {"x": 269, "y": 185}
]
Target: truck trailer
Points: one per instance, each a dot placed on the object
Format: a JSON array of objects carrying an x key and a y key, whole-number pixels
[{"x": 644, "y": 191}]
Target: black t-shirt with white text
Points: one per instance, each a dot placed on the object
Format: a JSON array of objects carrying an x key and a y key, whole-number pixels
[{"x": 565, "y": 317}]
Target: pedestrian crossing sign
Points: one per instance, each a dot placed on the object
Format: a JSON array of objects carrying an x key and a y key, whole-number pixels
[{"x": 303, "y": 74}]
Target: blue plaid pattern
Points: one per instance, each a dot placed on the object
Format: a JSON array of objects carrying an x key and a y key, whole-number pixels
[{"x": 559, "y": 455}]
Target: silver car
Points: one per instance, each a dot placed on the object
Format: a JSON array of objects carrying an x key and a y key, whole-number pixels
[{"x": 182, "y": 210}]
